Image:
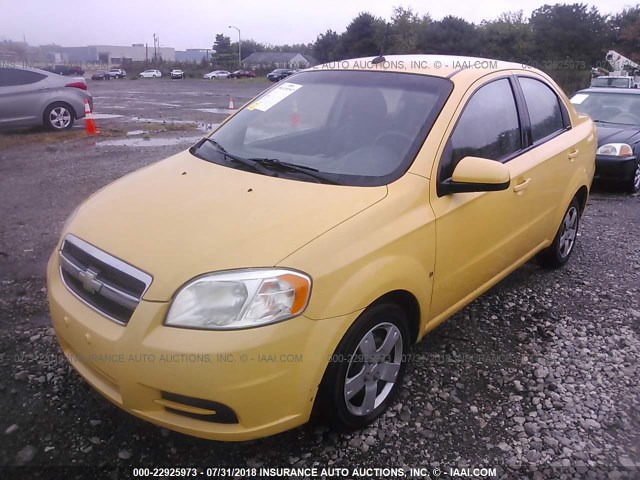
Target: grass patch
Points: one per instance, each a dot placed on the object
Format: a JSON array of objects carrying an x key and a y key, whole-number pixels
[
  {"x": 41, "y": 136},
  {"x": 169, "y": 127}
]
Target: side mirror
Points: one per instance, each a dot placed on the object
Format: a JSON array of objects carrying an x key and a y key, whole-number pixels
[{"x": 475, "y": 174}]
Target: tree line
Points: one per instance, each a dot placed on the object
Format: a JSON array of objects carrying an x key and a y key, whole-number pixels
[{"x": 575, "y": 34}]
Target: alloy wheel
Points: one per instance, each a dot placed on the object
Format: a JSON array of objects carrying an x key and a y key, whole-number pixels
[
  {"x": 568, "y": 232},
  {"x": 373, "y": 369},
  {"x": 60, "y": 118}
]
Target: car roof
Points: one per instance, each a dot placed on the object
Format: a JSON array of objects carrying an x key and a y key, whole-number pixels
[
  {"x": 628, "y": 91},
  {"x": 38, "y": 70},
  {"x": 434, "y": 65}
]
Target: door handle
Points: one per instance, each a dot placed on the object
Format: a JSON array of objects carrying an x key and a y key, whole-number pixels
[
  {"x": 573, "y": 154},
  {"x": 522, "y": 185}
]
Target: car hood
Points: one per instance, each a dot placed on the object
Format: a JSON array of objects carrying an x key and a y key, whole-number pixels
[
  {"x": 184, "y": 216},
  {"x": 618, "y": 133}
]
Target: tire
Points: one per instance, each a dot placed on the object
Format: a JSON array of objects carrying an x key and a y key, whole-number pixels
[
  {"x": 59, "y": 116},
  {"x": 352, "y": 393},
  {"x": 560, "y": 250},
  {"x": 633, "y": 183}
]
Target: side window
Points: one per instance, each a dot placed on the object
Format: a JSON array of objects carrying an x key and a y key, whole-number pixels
[
  {"x": 11, "y": 77},
  {"x": 544, "y": 108},
  {"x": 488, "y": 127}
]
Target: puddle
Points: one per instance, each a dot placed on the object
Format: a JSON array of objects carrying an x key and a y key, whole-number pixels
[
  {"x": 152, "y": 142},
  {"x": 223, "y": 111},
  {"x": 173, "y": 105},
  {"x": 105, "y": 116},
  {"x": 165, "y": 121}
]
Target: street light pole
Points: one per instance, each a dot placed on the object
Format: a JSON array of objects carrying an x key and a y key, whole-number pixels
[{"x": 239, "y": 45}]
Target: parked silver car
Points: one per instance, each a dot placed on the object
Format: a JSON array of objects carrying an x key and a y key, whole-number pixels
[{"x": 31, "y": 97}]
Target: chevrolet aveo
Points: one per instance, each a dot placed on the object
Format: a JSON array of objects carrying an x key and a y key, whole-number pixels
[{"x": 286, "y": 263}]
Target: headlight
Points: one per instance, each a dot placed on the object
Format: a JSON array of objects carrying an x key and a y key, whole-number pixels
[
  {"x": 240, "y": 299},
  {"x": 615, "y": 149}
]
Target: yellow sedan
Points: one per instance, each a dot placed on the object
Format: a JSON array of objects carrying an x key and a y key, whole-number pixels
[{"x": 288, "y": 261}]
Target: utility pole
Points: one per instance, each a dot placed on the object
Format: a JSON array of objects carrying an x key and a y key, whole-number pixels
[
  {"x": 239, "y": 46},
  {"x": 155, "y": 50}
]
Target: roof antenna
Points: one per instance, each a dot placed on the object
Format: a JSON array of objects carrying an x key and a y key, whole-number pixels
[{"x": 380, "y": 58}]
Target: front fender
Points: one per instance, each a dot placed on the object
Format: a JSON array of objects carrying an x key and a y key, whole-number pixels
[{"x": 387, "y": 247}]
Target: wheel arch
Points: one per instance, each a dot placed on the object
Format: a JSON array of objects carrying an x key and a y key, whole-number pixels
[
  {"x": 582, "y": 195},
  {"x": 408, "y": 302}
]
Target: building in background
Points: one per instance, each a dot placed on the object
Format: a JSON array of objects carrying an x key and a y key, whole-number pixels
[
  {"x": 107, "y": 55},
  {"x": 279, "y": 60},
  {"x": 193, "y": 55}
]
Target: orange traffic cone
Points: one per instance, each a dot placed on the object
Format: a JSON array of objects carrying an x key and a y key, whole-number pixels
[
  {"x": 295, "y": 118},
  {"x": 231, "y": 107},
  {"x": 89, "y": 123}
]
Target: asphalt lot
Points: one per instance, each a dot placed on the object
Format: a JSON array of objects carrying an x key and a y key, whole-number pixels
[{"x": 538, "y": 377}]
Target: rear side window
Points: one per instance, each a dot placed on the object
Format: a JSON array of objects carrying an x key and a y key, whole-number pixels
[
  {"x": 544, "y": 108},
  {"x": 488, "y": 127},
  {"x": 12, "y": 77}
]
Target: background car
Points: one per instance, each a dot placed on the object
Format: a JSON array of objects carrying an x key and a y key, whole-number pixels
[
  {"x": 280, "y": 73},
  {"x": 217, "y": 74},
  {"x": 242, "y": 74},
  {"x": 101, "y": 75},
  {"x": 616, "y": 113},
  {"x": 117, "y": 73},
  {"x": 31, "y": 97},
  {"x": 176, "y": 74},
  {"x": 151, "y": 74},
  {"x": 66, "y": 70}
]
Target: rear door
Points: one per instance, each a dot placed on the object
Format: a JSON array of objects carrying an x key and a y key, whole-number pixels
[
  {"x": 554, "y": 144},
  {"x": 22, "y": 95}
]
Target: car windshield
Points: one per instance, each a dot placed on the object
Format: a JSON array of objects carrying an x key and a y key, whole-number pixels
[
  {"x": 347, "y": 127},
  {"x": 609, "y": 107}
]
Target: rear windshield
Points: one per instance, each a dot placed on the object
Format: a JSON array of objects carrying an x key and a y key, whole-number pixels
[
  {"x": 611, "y": 82},
  {"x": 348, "y": 127}
]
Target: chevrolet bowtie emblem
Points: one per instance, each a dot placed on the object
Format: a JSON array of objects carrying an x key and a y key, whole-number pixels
[{"x": 89, "y": 282}]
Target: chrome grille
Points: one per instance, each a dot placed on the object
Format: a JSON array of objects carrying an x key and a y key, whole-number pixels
[{"x": 105, "y": 283}]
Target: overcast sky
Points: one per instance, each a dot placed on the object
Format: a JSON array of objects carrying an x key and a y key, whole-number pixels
[{"x": 194, "y": 23}]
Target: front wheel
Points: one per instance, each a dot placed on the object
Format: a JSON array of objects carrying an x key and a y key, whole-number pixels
[
  {"x": 365, "y": 373},
  {"x": 633, "y": 184},
  {"x": 558, "y": 253}
]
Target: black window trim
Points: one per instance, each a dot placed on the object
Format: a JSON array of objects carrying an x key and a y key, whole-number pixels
[
  {"x": 566, "y": 120},
  {"x": 442, "y": 184}
]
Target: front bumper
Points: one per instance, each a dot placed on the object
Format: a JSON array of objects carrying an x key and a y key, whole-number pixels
[
  {"x": 264, "y": 380},
  {"x": 610, "y": 167}
]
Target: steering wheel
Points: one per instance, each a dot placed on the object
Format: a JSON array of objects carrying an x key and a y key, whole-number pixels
[
  {"x": 397, "y": 139},
  {"x": 626, "y": 118}
]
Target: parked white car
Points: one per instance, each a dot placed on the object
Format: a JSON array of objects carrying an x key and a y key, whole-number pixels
[
  {"x": 151, "y": 74},
  {"x": 176, "y": 74},
  {"x": 217, "y": 74}
]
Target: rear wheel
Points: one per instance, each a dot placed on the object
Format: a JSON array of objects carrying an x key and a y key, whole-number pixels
[
  {"x": 558, "y": 253},
  {"x": 366, "y": 371},
  {"x": 59, "y": 116}
]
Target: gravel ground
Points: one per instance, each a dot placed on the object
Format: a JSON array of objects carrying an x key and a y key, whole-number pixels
[{"x": 538, "y": 378}]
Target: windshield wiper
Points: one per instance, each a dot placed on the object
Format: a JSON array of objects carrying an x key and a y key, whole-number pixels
[
  {"x": 253, "y": 165},
  {"x": 278, "y": 165},
  {"x": 269, "y": 166},
  {"x": 612, "y": 123}
]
